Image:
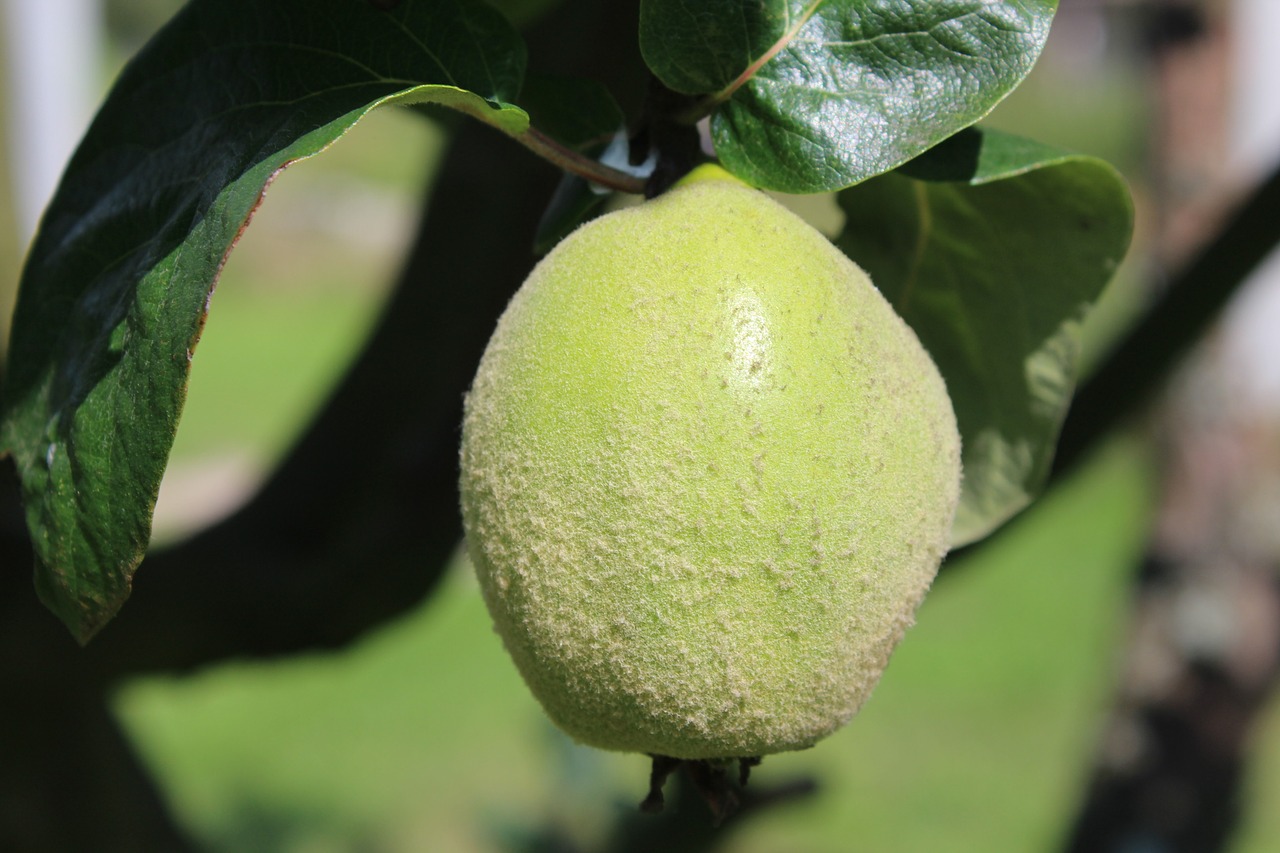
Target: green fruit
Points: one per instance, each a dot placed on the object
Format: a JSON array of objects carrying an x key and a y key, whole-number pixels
[{"x": 707, "y": 476}]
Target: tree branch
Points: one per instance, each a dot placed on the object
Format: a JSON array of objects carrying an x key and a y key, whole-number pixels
[{"x": 1136, "y": 370}]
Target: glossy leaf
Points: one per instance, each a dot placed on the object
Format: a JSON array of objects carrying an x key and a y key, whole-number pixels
[
  {"x": 114, "y": 294},
  {"x": 994, "y": 252},
  {"x": 815, "y": 95}
]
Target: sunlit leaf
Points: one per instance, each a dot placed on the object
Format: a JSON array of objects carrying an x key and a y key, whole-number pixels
[{"x": 815, "y": 95}]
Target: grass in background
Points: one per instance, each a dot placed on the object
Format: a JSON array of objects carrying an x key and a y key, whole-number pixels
[
  {"x": 1259, "y": 831},
  {"x": 10, "y": 248}
]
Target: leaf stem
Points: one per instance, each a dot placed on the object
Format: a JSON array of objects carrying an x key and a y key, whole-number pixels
[{"x": 579, "y": 164}]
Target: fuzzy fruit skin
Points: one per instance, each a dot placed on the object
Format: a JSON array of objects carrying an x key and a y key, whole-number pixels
[{"x": 707, "y": 476}]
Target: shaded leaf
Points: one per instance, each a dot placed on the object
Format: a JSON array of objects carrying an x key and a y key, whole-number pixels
[
  {"x": 994, "y": 260},
  {"x": 577, "y": 113},
  {"x": 701, "y": 48},
  {"x": 115, "y": 290},
  {"x": 815, "y": 95},
  {"x": 525, "y": 12},
  {"x": 583, "y": 115}
]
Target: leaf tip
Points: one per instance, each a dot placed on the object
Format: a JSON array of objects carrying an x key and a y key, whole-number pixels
[{"x": 84, "y": 615}]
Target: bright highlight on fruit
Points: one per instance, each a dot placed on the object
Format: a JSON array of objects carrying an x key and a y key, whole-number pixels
[{"x": 707, "y": 476}]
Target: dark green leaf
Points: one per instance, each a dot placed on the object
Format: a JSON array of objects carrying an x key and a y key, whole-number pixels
[
  {"x": 811, "y": 96},
  {"x": 578, "y": 113},
  {"x": 702, "y": 47},
  {"x": 114, "y": 293},
  {"x": 995, "y": 261}
]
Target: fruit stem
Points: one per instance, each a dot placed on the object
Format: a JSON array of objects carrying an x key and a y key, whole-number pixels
[
  {"x": 710, "y": 779},
  {"x": 663, "y": 766},
  {"x": 579, "y": 164}
]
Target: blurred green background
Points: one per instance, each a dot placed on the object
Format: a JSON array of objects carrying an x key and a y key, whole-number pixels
[{"x": 421, "y": 736}]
